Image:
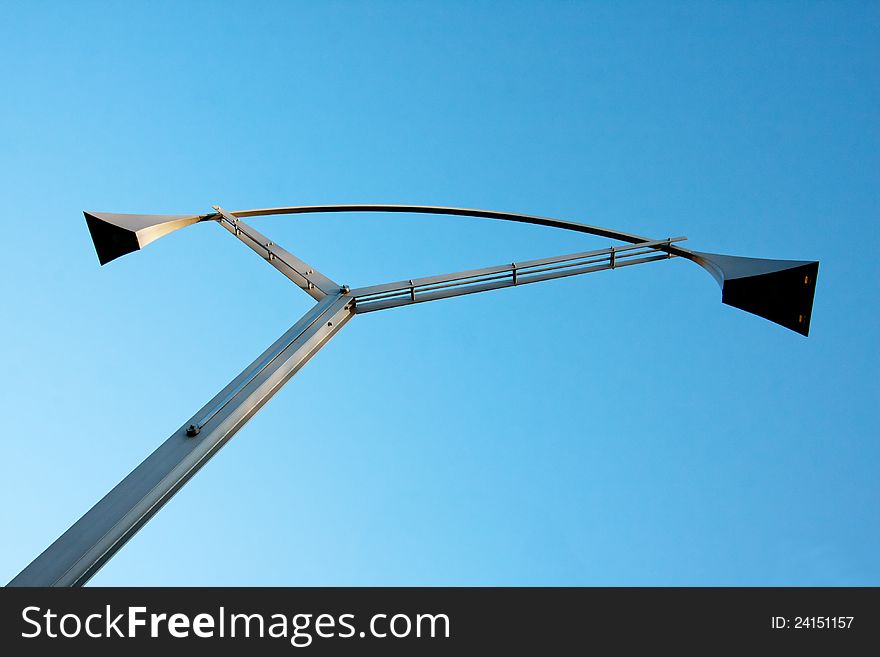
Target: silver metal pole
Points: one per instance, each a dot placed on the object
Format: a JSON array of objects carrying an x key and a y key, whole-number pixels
[
  {"x": 81, "y": 551},
  {"x": 779, "y": 290}
]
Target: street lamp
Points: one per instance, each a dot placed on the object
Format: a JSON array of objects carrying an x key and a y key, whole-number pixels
[{"x": 779, "y": 290}]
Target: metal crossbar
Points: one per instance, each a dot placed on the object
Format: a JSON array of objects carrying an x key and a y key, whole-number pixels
[{"x": 444, "y": 286}]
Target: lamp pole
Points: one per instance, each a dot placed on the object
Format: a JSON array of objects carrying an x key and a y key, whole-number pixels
[{"x": 779, "y": 290}]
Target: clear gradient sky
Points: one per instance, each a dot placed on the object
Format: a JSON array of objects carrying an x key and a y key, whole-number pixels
[{"x": 623, "y": 428}]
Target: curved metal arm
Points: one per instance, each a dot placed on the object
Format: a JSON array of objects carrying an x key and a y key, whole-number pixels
[{"x": 457, "y": 212}]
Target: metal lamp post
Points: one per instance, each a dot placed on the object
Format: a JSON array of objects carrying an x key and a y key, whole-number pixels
[{"x": 778, "y": 290}]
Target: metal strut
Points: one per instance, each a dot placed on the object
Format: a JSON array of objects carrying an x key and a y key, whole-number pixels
[
  {"x": 402, "y": 293},
  {"x": 312, "y": 282}
]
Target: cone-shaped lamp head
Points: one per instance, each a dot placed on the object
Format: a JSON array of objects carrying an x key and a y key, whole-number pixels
[
  {"x": 115, "y": 235},
  {"x": 779, "y": 290}
]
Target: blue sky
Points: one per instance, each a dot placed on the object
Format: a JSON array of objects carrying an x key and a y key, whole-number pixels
[{"x": 622, "y": 428}]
